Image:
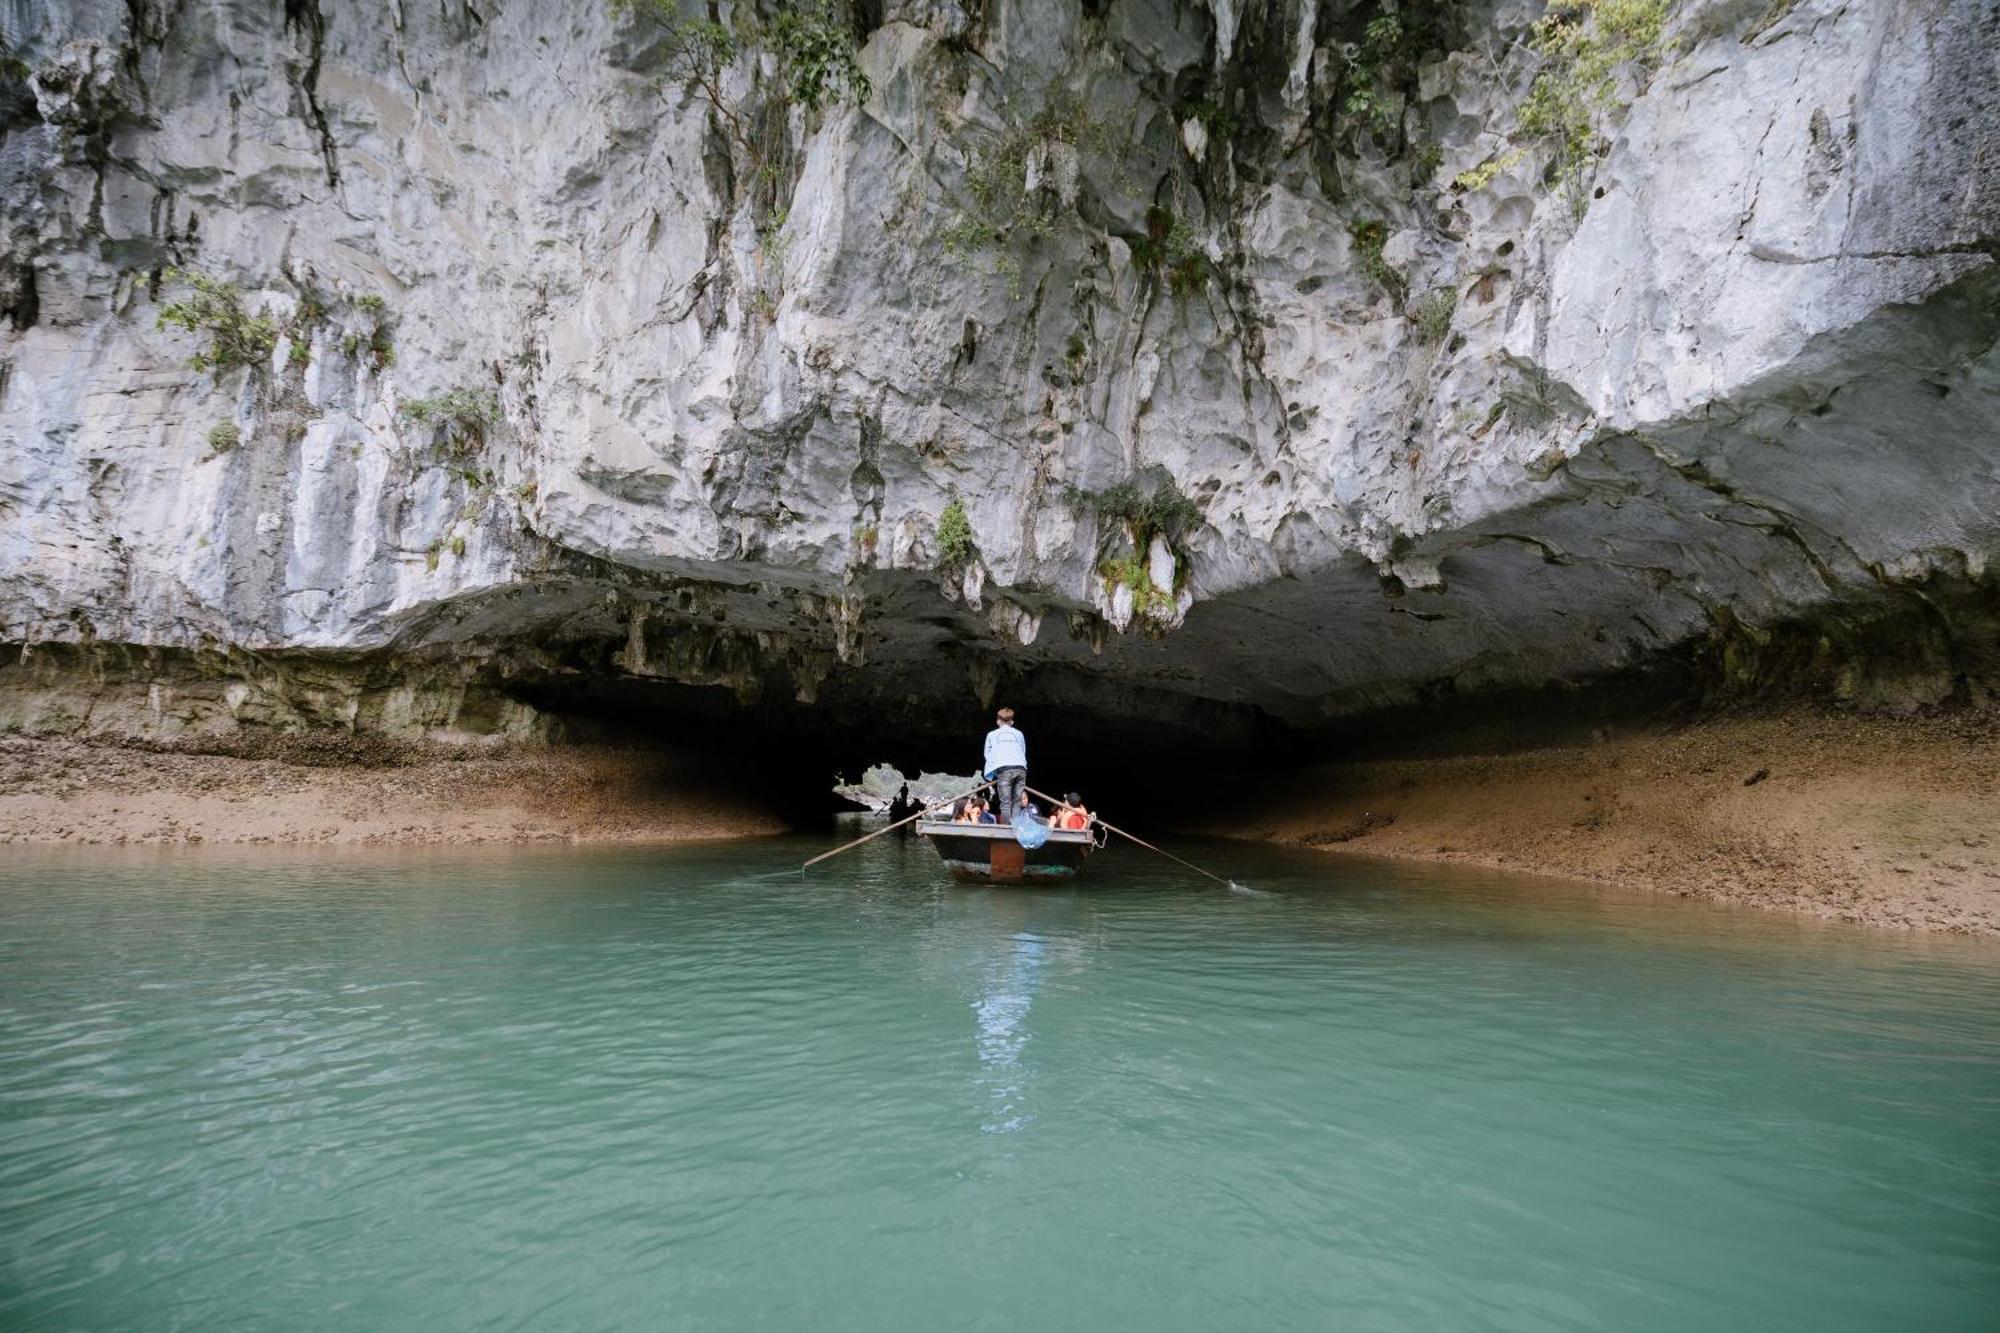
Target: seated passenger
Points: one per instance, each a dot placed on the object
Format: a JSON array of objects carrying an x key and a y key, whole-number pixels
[
  {"x": 1072, "y": 815},
  {"x": 961, "y": 811},
  {"x": 986, "y": 815}
]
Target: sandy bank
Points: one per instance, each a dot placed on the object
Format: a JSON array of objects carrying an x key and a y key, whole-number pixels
[
  {"x": 63, "y": 791},
  {"x": 1888, "y": 822}
]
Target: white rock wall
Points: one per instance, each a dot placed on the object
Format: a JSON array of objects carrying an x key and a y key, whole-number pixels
[{"x": 1755, "y": 376}]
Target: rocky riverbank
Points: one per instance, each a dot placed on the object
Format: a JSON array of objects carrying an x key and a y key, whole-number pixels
[
  {"x": 1888, "y": 822},
  {"x": 69, "y": 791}
]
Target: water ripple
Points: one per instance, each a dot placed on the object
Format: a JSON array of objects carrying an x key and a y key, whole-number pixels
[{"x": 679, "y": 1089}]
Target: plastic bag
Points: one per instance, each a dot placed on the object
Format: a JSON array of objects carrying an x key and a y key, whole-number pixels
[{"x": 1029, "y": 831}]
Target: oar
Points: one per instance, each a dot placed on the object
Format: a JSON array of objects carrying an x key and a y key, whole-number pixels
[
  {"x": 892, "y": 828},
  {"x": 1226, "y": 883}
]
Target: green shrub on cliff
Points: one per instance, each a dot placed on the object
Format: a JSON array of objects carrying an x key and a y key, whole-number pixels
[
  {"x": 1217, "y": 120},
  {"x": 1015, "y": 185},
  {"x": 954, "y": 534},
  {"x": 1370, "y": 240},
  {"x": 1432, "y": 315},
  {"x": 1481, "y": 176},
  {"x": 214, "y": 308},
  {"x": 462, "y": 416},
  {"x": 1161, "y": 508},
  {"x": 1146, "y": 506},
  {"x": 812, "y": 42},
  {"x": 1591, "y": 51},
  {"x": 454, "y": 405},
  {"x": 1133, "y": 572},
  {"x": 1171, "y": 248},
  {"x": 1381, "y": 67}
]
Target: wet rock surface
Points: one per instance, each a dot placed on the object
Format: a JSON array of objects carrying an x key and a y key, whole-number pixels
[{"x": 1257, "y": 414}]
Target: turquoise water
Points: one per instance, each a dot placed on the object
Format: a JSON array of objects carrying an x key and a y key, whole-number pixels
[{"x": 668, "y": 1089}]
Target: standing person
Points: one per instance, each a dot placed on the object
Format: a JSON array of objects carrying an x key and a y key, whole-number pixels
[{"x": 1006, "y": 765}]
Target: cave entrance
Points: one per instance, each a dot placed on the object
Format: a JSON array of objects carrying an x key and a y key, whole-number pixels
[{"x": 809, "y": 762}]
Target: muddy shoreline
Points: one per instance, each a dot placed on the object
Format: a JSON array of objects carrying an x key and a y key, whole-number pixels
[
  {"x": 101, "y": 793},
  {"x": 1879, "y": 821}
]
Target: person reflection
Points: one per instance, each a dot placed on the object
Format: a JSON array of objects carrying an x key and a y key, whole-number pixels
[{"x": 1002, "y": 1013}]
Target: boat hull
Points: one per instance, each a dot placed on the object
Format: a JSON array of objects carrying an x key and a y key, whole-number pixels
[{"x": 990, "y": 854}]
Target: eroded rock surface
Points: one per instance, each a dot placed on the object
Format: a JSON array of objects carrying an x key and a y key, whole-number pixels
[{"x": 1438, "y": 437}]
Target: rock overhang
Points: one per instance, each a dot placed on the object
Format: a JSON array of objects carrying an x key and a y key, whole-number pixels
[{"x": 1649, "y": 437}]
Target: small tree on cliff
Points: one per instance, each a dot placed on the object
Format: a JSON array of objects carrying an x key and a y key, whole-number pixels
[
  {"x": 214, "y": 309},
  {"x": 813, "y": 40},
  {"x": 954, "y": 535},
  {"x": 1593, "y": 55}
]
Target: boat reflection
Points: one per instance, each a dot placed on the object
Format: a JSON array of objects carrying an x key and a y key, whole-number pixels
[{"x": 1002, "y": 1013}]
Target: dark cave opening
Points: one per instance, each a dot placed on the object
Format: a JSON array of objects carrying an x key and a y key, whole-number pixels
[
  {"x": 1149, "y": 773},
  {"x": 790, "y": 755}
]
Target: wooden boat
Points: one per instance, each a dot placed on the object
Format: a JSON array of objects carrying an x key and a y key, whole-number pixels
[{"x": 990, "y": 854}]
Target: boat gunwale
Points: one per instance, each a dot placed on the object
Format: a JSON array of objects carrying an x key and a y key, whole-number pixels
[{"x": 945, "y": 828}]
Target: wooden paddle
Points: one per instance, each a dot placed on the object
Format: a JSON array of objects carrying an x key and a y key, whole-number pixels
[
  {"x": 1225, "y": 883},
  {"x": 844, "y": 847}
]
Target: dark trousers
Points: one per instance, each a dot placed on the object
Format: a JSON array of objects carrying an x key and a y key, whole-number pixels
[{"x": 1007, "y": 787}]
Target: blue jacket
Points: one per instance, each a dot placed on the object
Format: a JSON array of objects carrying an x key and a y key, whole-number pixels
[{"x": 1005, "y": 748}]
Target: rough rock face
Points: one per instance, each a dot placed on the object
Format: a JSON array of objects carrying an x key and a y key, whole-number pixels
[{"x": 713, "y": 395}]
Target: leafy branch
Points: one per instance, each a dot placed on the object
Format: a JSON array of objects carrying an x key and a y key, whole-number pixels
[
  {"x": 1381, "y": 68},
  {"x": 816, "y": 55},
  {"x": 817, "y": 62},
  {"x": 462, "y": 414},
  {"x": 215, "y": 308},
  {"x": 1589, "y": 50}
]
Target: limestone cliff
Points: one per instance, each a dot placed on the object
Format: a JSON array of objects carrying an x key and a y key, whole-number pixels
[{"x": 1273, "y": 361}]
